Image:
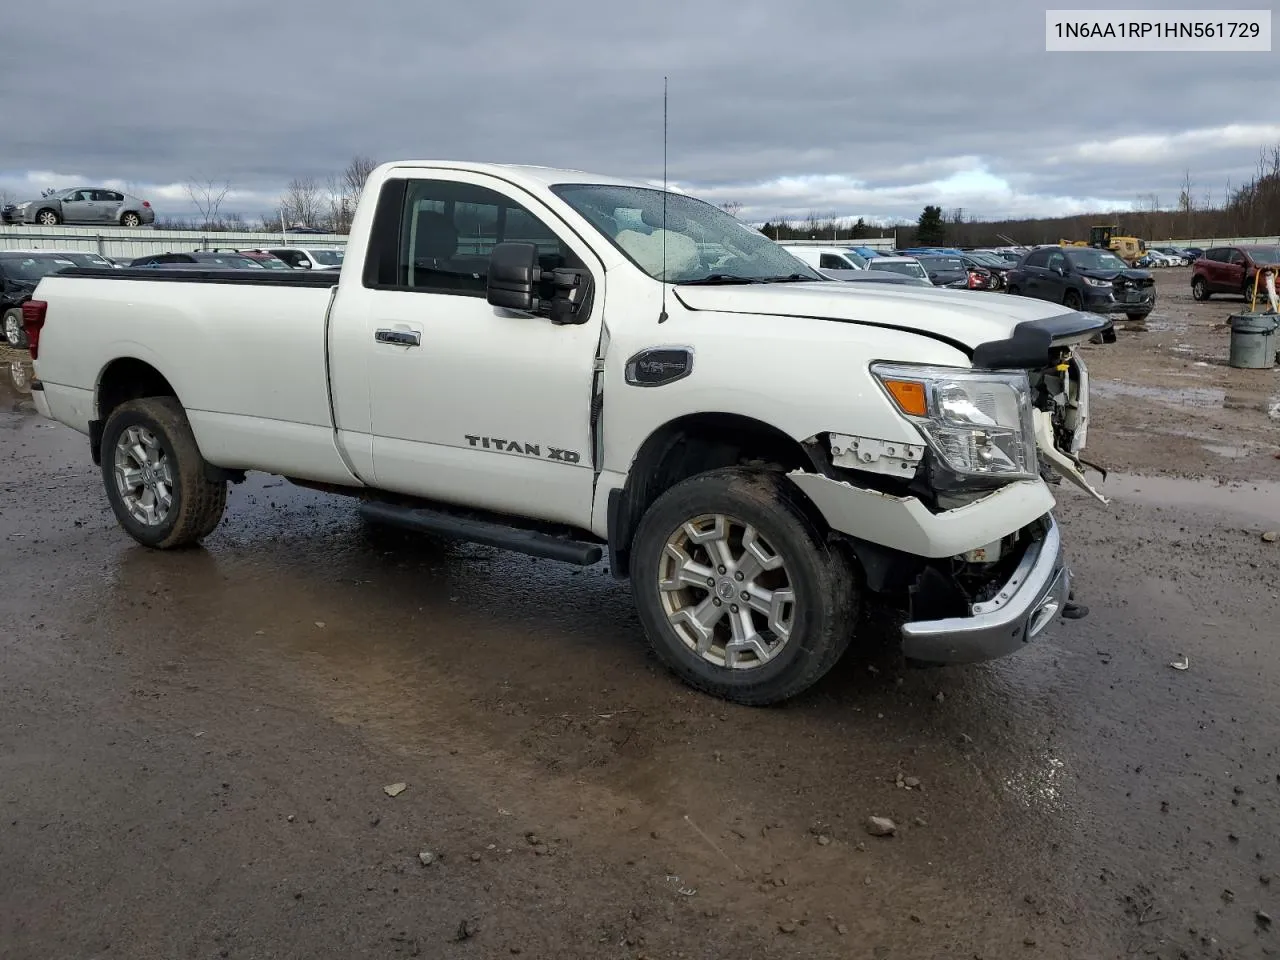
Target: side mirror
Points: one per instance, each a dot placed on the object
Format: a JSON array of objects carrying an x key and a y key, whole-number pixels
[
  {"x": 1060, "y": 271},
  {"x": 304, "y": 264},
  {"x": 514, "y": 274}
]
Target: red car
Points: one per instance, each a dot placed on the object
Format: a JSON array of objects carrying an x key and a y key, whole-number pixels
[{"x": 1230, "y": 270}]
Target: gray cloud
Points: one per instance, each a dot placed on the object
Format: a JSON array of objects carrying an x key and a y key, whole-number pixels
[{"x": 859, "y": 109}]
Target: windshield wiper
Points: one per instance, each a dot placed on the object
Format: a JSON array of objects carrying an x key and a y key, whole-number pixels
[
  {"x": 790, "y": 278},
  {"x": 717, "y": 278}
]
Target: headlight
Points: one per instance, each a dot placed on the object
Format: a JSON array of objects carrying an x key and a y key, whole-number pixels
[
  {"x": 1095, "y": 282},
  {"x": 979, "y": 423}
]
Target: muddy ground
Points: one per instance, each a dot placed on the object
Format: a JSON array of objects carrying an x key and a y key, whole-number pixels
[{"x": 194, "y": 746}]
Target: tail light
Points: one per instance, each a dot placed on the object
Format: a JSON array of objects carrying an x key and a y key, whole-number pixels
[
  {"x": 33, "y": 312},
  {"x": 147, "y": 204},
  {"x": 975, "y": 280}
]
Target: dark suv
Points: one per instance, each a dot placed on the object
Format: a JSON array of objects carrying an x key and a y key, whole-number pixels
[{"x": 1084, "y": 278}]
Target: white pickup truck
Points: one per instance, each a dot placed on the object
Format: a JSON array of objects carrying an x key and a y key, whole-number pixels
[{"x": 560, "y": 363}]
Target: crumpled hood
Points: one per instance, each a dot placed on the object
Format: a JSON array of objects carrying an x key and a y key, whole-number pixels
[{"x": 966, "y": 317}]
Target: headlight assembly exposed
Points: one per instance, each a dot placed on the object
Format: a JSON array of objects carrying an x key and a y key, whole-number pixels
[{"x": 978, "y": 422}]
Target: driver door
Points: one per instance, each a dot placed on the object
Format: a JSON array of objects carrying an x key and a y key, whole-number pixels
[
  {"x": 1054, "y": 282},
  {"x": 78, "y": 207},
  {"x": 470, "y": 404}
]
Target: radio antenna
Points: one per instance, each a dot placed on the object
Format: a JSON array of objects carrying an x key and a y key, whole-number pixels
[{"x": 662, "y": 317}]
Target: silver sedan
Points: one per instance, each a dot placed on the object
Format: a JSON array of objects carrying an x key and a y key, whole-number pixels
[{"x": 82, "y": 205}]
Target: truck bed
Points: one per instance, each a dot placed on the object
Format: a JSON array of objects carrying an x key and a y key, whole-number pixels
[{"x": 265, "y": 278}]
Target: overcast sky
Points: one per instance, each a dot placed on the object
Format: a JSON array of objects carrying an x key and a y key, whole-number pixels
[{"x": 787, "y": 106}]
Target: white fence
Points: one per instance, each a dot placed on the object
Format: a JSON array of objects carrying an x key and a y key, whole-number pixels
[
  {"x": 128, "y": 243},
  {"x": 1206, "y": 242},
  {"x": 874, "y": 243}
]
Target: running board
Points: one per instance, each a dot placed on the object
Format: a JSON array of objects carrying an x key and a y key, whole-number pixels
[{"x": 535, "y": 543}]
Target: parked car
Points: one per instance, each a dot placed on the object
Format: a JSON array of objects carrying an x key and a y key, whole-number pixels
[
  {"x": 20, "y": 272},
  {"x": 826, "y": 258},
  {"x": 1162, "y": 258},
  {"x": 1084, "y": 278},
  {"x": 79, "y": 258},
  {"x": 268, "y": 260},
  {"x": 199, "y": 259},
  {"x": 308, "y": 258},
  {"x": 868, "y": 253},
  {"x": 81, "y": 205},
  {"x": 1230, "y": 270},
  {"x": 893, "y": 447},
  {"x": 902, "y": 266},
  {"x": 998, "y": 267},
  {"x": 876, "y": 276},
  {"x": 1195, "y": 253},
  {"x": 955, "y": 272}
]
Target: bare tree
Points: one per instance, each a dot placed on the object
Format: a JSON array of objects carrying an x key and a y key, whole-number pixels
[
  {"x": 732, "y": 208},
  {"x": 354, "y": 177},
  {"x": 302, "y": 204},
  {"x": 207, "y": 197}
]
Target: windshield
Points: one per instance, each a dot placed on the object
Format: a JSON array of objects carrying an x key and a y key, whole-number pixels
[
  {"x": 33, "y": 268},
  {"x": 907, "y": 268},
  {"x": 330, "y": 258},
  {"x": 1097, "y": 260},
  {"x": 942, "y": 263},
  {"x": 702, "y": 243},
  {"x": 1269, "y": 255},
  {"x": 856, "y": 257}
]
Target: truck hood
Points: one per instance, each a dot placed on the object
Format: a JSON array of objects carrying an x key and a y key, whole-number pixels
[{"x": 967, "y": 318}]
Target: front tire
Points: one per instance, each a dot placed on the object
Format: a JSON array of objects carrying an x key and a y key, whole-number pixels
[
  {"x": 1071, "y": 300},
  {"x": 48, "y": 218},
  {"x": 739, "y": 591},
  {"x": 14, "y": 334},
  {"x": 1200, "y": 289},
  {"x": 155, "y": 476}
]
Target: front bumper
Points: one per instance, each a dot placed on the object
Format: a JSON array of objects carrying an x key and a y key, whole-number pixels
[
  {"x": 1036, "y": 592},
  {"x": 1104, "y": 301}
]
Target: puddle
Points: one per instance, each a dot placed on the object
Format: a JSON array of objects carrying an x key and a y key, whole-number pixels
[
  {"x": 1177, "y": 396},
  {"x": 1257, "y": 501}
]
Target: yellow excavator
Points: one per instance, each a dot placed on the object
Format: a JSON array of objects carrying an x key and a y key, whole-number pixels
[{"x": 1128, "y": 249}]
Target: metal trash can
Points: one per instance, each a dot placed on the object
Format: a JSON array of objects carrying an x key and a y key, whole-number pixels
[{"x": 1253, "y": 340}]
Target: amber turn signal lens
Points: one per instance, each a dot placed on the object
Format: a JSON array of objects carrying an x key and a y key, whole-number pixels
[{"x": 910, "y": 396}]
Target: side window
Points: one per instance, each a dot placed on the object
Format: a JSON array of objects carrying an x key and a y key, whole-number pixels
[
  {"x": 1237, "y": 257},
  {"x": 829, "y": 261},
  {"x": 1057, "y": 261},
  {"x": 446, "y": 232},
  {"x": 108, "y": 196},
  {"x": 1037, "y": 258},
  {"x": 1215, "y": 253}
]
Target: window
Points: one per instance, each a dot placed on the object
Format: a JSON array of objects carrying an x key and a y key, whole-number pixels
[
  {"x": 108, "y": 196},
  {"x": 1057, "y": 261},
  {"x": 1218, "y": 254},
  {"x": 436, "y": 236},
  {"x": 1237, "y": 258},
  {"x": 830, "y": 261},
  {"x": 1037, "y": 258}
]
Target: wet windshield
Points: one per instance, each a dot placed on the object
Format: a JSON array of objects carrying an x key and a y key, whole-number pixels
[
  {"x": 1097, "y": 260},
  {"x": 33, "y": 268},
  {"x": 701, "y": 243},
  {"x": 1264, "y": 254}
]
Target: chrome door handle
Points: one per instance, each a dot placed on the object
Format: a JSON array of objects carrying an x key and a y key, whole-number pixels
[{"x": 401, "y": 338}]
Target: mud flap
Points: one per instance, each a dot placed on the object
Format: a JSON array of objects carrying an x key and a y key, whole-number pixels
[{"x": 1064, "y": 464}]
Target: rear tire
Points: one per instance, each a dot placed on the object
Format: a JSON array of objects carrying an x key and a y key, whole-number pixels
[
  {"x": 155, "y": 476},
  {"x": 1015, "y": 291},
  {"x": 131, "y": 219},
  {"x": 1200, "y": 290},
  {"x": 801, "y": 610},
  {"x": 14, "y": 334}
]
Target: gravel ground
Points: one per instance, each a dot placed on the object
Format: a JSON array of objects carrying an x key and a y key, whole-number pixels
[{"x": 194, "y": 747}]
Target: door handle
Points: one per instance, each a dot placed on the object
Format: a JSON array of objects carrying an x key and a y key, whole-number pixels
[{"x": 401, "y": 338}]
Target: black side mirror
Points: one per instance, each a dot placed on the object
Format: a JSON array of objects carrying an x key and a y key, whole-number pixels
[
  {"x": 514, "y": 273},
  {"x": 1060, "y": 270}
]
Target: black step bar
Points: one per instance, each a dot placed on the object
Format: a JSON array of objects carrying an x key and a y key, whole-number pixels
[{"x": 456, "y": 526}]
